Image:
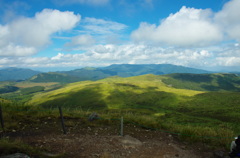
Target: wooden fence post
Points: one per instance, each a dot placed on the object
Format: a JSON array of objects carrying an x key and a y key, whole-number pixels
[
  {"x": 1, "y": 118},
  {"x": 121, "y": 130},
  {"x": 62, "y": 120}
]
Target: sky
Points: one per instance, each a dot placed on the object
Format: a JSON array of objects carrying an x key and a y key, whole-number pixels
[{"x": 68, "y": 34}]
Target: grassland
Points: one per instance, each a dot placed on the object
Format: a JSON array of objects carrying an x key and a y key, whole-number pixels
[
  {"x": 24, "y": 90},
  {"x": 191, "y": 112},
  {"x": 185, "y": 106}
]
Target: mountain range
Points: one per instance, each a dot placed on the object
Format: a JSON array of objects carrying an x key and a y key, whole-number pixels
[
  {"x": 15, "y": 74},
  {"x": 90, "y": 73}
]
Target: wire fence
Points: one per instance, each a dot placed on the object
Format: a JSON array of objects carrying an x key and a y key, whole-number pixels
[{"x": 121, "y": 122}]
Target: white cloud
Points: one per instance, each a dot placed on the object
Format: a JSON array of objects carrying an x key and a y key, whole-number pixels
[
  {"x": 101, "y": 26},
  {"x": 26, "y": 35},
  {"x": 4, "y": 61},
  {"x": 228, "y": 19},
  {"x": 228, "y": 61},
  {"x": 103, "y": 55},
  {"x": 17, "y": 50},
  {"x": 36, "y": 31},
  {"x": 188, "y": 27},
  {"x": 81, "y": 40},
  {"x": 58, "y": 57},
  {"x": 93, "y": 30}
]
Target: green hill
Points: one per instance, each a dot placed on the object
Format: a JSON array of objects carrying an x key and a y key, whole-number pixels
[
  {"x": 149, "y": 94},
  {"x": 114, "y": 93},
  {"x": 151, "y": 102},
  {"x": 204, "y": 82},
  {"x": 147, "y": 91}
]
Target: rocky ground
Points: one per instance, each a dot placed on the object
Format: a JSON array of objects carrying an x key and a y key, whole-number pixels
[{"x": 104, "y": 141}]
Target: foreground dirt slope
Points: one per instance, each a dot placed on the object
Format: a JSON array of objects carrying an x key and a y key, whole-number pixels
[
  {"x": 105, "y": 142},
  {"x": 117, "y": 147}
]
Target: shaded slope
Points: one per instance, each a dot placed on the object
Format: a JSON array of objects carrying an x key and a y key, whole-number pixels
[
  {"x": 141, "y": 92},
  {"x": 150, "y": 95},
  {"x": 204, "y": 82}
]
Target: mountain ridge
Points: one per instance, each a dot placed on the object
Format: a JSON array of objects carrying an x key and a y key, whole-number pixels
[
  {"x": 128, "y": 70},
  {"x": 93, "y": 74},
  {"x": 14, "y": 74}
]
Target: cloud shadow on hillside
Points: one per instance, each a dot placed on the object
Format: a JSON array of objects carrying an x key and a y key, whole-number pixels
[{"x": 88, "y": 98}]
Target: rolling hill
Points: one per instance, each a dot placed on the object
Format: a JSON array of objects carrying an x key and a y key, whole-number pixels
[
  {"x": 154, "y": 101},
  {"x": 146, "y": 91},
  {"x": 113, "y": 93},
  {"x": 149, "y": 94},
  {"x": 204, "y": 82}
]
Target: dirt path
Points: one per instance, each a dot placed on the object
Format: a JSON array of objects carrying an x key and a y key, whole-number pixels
[
  {"x": 101, "y": 139},
  {"x": 118, "y": 147},
  {"x": 104, "y": 142}
]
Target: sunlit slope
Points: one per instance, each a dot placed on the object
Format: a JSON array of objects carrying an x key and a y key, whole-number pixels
[
  {"x": 204, "y": 82},
  {"x": 141, "y": 92}
]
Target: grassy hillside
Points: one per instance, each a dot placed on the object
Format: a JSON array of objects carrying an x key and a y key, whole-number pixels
[
  {"x": 155, "y": 102},
  {"x": 114, "y": 93},
  {"x": 24, "y": 90},
  {"x": 150, "y": 95},
  {"x": 204, "y": 82}
]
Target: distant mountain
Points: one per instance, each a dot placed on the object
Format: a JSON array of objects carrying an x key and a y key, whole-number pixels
[
  {"x": 15, "y": 74},
  {"x": 89, "y": 73},
  {"x": 54, "y": 77},
  {"x": 128, "y": 70}
]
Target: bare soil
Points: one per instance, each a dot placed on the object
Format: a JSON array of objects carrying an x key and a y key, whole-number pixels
[{"x": 95, "y": 140}]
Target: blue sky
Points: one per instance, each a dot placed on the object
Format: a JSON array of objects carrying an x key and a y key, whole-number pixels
[{"x": 69, "y": 34}]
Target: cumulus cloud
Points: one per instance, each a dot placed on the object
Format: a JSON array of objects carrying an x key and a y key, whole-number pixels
[
  {"x": 228, "y": 19},
  {"x": 30, "y": 34},
  {"x": 188, "y": 27},
  {"x": 104, "y": 55},
  {"x": 17, "y": 50},
  {"x": 228, "y": 61},
  {"x": 81, "y": 40}
]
